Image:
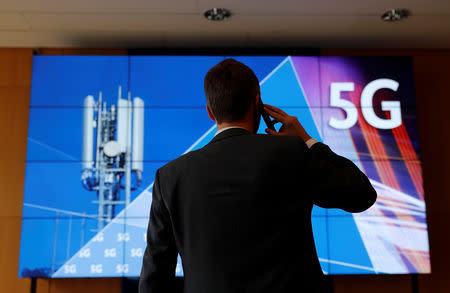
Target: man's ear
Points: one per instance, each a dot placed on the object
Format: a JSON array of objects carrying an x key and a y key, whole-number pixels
[
  {"x": 258, "y": 98},
  {"x": 211, "y": 116}
]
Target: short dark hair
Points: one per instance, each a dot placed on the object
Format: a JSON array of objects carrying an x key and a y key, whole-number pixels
[{"x": 230, "y": 88}]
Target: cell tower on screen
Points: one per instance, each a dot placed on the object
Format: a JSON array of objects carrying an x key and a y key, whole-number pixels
[{"x": 113, "y": 151}]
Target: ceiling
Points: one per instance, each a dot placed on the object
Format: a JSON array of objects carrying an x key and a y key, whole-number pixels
[{"x": 254, "y": 23}]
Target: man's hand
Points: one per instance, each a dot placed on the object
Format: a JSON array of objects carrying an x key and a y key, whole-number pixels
[{"x": 291, "y": 126}]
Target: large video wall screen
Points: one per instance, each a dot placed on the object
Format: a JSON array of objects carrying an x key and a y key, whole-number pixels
[{"x": 100, "y": 126}]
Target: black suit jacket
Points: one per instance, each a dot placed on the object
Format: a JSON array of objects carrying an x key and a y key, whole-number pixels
[{"x": 239, "y": 213}]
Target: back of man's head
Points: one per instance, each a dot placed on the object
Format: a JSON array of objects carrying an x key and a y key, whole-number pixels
[{"x": 230, "y": 87}]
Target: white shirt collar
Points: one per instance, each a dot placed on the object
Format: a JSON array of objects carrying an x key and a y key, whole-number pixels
[{"x": 226, "y": 128}]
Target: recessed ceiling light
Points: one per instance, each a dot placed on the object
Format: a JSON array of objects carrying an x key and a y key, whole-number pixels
[
  {"x": 395, "y": 15},
  {"x": 216, "y": 14}
]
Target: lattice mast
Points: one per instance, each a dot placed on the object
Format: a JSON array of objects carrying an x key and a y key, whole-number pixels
[{"x": 115, "y": 134}]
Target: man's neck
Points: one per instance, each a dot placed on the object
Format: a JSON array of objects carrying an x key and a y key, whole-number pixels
[{"x": 243, "y": 125}]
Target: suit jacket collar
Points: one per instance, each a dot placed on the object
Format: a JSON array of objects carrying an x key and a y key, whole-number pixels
[{"x": 229, "y": 133}]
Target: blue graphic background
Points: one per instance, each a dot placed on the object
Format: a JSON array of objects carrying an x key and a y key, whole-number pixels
[{"x": 175, "y": 118}]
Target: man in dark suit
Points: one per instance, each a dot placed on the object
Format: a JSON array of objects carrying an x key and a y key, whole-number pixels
[{"x": 238, "y": 210}]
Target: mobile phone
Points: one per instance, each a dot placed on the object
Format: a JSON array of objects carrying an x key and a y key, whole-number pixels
[{"x": 265, "y": 116}]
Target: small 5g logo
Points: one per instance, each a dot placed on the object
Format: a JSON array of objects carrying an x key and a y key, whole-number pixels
[
  {"x": 98, "y": 238},
  {"x": 96, "y": 268},
  {"x": 85, "y": 253},
  {"x": 366, "y": 105},
  {"x": 122, "y": 269},
  {"x": 70, "y": 269},
  {"x": 110, "y": 252},
  {"x": 123, "y": 237},
  {"x": 137, "y": 252}
]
